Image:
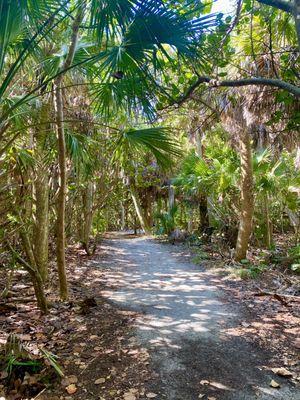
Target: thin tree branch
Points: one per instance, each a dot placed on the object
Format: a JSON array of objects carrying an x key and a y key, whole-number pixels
[
  {"x": 251, "y": 40},
  {"x": 3, "y": 129},
  {"x": 260, "y": 81},
  {"x": 18, "y": 132},
  {"x": 235, "y": 21},
  {"x": 20, "y": 259},
  {"x": 280, "y": 4}
]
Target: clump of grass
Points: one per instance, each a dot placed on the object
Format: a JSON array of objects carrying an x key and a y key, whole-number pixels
[
  {"x": 200, "y": 256},
  {"x": 34, "y": 370},
  {"x": 251, "y": 271}
]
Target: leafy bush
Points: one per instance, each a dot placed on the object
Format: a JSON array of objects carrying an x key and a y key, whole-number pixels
[{"x": 166, "y": 221}]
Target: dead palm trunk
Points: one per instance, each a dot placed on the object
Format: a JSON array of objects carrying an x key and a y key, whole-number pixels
[
  {"x": 247, "y": 201},
  {"x": 62, "y": 157}
]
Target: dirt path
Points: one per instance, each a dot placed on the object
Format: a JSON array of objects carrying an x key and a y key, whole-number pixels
[{"x": 186, "y": 325}]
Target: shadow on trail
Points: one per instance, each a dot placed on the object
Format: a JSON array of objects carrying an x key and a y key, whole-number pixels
[{"x": 184, "y": 325}]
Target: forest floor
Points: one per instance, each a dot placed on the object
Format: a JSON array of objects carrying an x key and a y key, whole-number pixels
[{"x": 144, "y": 321}]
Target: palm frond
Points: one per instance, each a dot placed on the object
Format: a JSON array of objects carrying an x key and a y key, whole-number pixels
[
  {"x": 29, "y": 41},
  {"x": 155, "y": 25},
  {"x": 78, "y": 150},
  {"x": 108, "y": 18},
  {"x": 149, "y": 34},
  {"x": 130, "y": 94},
  {"x": 156, "y": 140}
]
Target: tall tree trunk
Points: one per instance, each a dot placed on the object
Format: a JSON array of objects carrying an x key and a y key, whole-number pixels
[
  {"x": 88, "y": 197},
  {"x": 203, "y": 212},
  {"x": 171, "y": 196},
  {"x": 203, "y": 209},
  {"x": 294, "y": 216},
  {"x": 297, "y": 19},
  {"x": 122, "y": 209},
  {"x": 247, "y": 200},
  {"x": 31, "y": 267},
  {"x": 292, "y": 7},
  {"x": 41, "y": 226},
  {"x": 39, "y": 291},
  {"x": 148, "y": 211},
  {"x": 190, "y": 219},
  {"x": 268, "y": 232},
  {"x": 139, "y": 210},
  {"x": 61, "y": 202}
]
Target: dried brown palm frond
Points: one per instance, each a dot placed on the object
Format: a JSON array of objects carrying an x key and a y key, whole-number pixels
[{"x": 252, "y": 108}]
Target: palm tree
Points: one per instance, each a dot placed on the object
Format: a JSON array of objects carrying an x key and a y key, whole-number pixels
[
  {"x": 156, "y": 141},
  {"x": 127, "y": 42}
]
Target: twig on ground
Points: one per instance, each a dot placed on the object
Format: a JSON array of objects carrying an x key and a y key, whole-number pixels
[{"x": 279, "y": 297}]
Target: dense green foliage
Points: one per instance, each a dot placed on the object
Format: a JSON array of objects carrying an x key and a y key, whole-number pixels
[{"x": 129, "y": 114}]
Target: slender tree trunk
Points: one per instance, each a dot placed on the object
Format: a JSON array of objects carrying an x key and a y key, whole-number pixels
[
  {"x": 199, "y": 147},
  {"x": 41, "y": 226},
  {"x": 190, "y": 219},
  {"x": 297, "y": 158},
  {"x": 88, "y": 197},
  {"x": 203, "y": 212},
  {"x": 292, "y": 7},
  {"x": 297, "y": 19},
  {"x": 148, "y": 211},
  {"x": 61, "y": 202},
  {"x": 171, "y": 196},
  {"x": 27, "y": 247},
  {"x": 268, "y": 233},
  {"x": 203, "y": 208},
  {"x": 39, "y": 292},
  {"x": 294, "y": 216},
  {"x": 139, "y": 210},
  {"x": 159, "y": 206},
  {"x": 31, "y": 267},
  {"x": 122, "y": 209},
  {"x": 247, "y": 201},
  {"x": 135, "y": 225}
]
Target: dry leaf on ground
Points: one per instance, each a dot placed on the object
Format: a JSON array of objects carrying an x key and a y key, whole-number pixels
[
  {"x": 282, "y": 372},
  {"x": 99, "y": 381},
  {"x": 274, "y": 384},
  {"x": 71, "y": 389},
  {"x": 151, "y": 395},
  {"x": 129, "y": 396}
]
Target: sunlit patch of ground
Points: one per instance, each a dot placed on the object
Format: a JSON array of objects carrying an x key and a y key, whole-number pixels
[{"x": 192, "y": 324}]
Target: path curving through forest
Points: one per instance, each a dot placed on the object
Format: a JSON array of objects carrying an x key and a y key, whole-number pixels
[{"x": 186, "y": 325}]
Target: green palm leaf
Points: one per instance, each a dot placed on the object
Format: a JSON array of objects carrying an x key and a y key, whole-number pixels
[
  {"x": 150, "y": 32},
  {"x": 109, "y": 17},
  {"x": 156, "y": 140}
]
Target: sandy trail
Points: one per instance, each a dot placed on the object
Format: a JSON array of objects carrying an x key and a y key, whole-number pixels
[{"x": 184, "y": 325}]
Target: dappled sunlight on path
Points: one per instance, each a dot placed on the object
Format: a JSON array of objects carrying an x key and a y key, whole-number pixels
[{"x": 184, "y": 324}]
